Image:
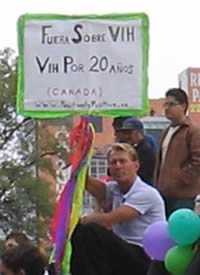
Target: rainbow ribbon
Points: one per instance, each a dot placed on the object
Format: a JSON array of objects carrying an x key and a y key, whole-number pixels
[{"x": 68, "y": 208}]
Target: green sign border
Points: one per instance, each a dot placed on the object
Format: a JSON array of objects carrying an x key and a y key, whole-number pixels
[{"x": 59, "y": 114}]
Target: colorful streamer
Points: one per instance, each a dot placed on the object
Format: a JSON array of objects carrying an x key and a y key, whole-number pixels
[{"x": 69, "y": 206}]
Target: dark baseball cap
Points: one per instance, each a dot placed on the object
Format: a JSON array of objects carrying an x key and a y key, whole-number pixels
[{"x": 132, "y": 124}]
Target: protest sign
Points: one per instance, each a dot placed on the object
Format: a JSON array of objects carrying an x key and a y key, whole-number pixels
[{"x": 86, "y": 65}]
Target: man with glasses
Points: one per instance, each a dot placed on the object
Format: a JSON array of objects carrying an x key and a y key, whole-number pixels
[{"x": 177, "y": 174}]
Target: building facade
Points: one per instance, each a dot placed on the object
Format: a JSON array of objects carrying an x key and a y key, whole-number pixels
[{"x": 189, "y": 80}]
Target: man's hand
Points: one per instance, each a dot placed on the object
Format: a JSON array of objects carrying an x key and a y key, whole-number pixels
[
  {"x": 107, "y": 220},
  {"x": 96, "y": 188},
  {"x": 98, "y": 218}
]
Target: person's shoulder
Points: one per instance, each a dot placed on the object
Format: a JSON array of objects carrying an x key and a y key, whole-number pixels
[
  {"x": 147, "y": 188},
  {"x": 150, "y": 138},
  {"x": 147, "y": 148},
  {"x": 142, "y": 185},
  {"x": 189, "y": 124},
  {"x": 147, "y": 193},
  {"x": 193, "y": 129},
  {"x": 144, "y": 145}
]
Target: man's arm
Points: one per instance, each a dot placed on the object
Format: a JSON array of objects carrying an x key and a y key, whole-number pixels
[
  {"x": 107, "y": 220},
  {"x": 96, "y": 188},
  {"x": 191, "y": 170}
]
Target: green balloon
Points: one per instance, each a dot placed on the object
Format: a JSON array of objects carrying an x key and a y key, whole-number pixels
[
  {"x": 184, "y": 226},
  {"x": 178, "y": 258}
]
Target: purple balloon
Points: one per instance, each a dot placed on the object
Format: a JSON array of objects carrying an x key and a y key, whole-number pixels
[{"x": 156, "y": 240}]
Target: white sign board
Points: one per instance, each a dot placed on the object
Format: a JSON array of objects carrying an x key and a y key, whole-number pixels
[{"x": 82, "y": 65}]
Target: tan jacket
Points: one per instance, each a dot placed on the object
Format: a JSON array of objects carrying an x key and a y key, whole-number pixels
[{"x": 179, "y": 176}]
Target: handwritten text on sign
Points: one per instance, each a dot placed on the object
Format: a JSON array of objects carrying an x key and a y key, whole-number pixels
[{"x": 82, "y": 64}]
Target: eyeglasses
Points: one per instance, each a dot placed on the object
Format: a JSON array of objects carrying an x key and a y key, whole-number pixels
[{"x": 170, "y": 104}]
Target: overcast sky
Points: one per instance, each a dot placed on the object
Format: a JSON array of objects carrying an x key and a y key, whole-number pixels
[{"x": 174, "y": 31}]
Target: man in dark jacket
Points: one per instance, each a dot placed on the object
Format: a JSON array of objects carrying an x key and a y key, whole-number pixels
[
  {"x": 117, "y": 124},
  {"x": 132, "y": 132}
]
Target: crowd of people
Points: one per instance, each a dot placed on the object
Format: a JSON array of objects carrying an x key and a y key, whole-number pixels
[{"x": 147, "y": 182}]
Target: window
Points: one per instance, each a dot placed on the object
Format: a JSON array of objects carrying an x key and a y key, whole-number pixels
[{"x": 98, "y": 167}]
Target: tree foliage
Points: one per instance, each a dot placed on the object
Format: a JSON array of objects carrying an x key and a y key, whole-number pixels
[{"x": 26, "y": 202}]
